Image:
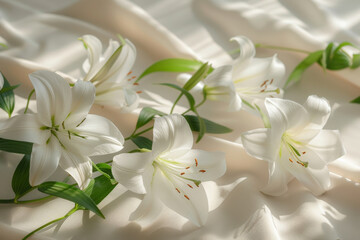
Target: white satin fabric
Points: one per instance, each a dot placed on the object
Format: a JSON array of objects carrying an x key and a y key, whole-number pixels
[{"x": 43, "y": 35}]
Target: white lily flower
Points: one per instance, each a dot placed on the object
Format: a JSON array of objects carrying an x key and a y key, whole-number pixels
[
  {"x": 296, "y": 144},
  {"x": 62, "y": 130},
  {"x": 171, "y": 173},
  {"x": 246, "y": 81},
  {"x": 110, "y": 72},
  {"x": 256, "y": 78},
  {"x": 218, "y": 86}
]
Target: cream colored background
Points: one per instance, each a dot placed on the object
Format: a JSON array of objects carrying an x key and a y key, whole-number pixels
[{"x": 43, "y": 34}]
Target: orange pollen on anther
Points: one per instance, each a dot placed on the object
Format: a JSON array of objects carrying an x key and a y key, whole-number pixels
[
  {"x": 138, "y": 92},
  {"x": 290, "y": 160},
  {"x": 190, "y": 186},
  {"x": 196, "y": 162},
  {"x": 129, "y": 79},
  {"x": 129, "y": 73},
  {"x": 264, "y": 83},
  {"x": 187, "y": 167},
  {"x": 272, "y": 80},
  {"x": 300, "y": 163},
  {"x": 303, "y": 152},
  {"x": 177, "y": 190},
  {"x": 136, "y": 84},
  {"x": 182, "y": 173},
  {"x": 262, "y": 90},
  {"x": 133, "y": 77},
  {"x": 186, "y": 197},
  {"x": 202, "y": 171}
]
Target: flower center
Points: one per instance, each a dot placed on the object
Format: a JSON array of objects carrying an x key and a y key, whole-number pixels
[
  {"x": 55, "y": 129},
  {"x": 172, "y": 169},
  {"x": 295, "y": 154}
]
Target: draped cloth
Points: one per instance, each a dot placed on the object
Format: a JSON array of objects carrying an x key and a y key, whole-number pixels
[{"x": 43, "y": 35}]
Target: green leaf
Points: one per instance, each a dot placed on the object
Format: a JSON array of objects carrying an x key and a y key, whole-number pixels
[
  {"x": 211, "y": 127},
  {"x": 189, "y": 97},
  {"x": 6, "y": 89},
  {"x": 197, "y": 77},
  {"x": 98, "y": 189},
  {"x": 355, "y": 61},
  {"x": 356, "y": 100},
  {"x": 142, "y": 142},
  {"x": 7, "y": 98},
  {"x": 20, "y": 180},
  {"x": 172, "y": 65},
  {"x": 303, "y": 65},
  {"x": 202, "y": 127},
  {"x": 146, "y": 115},
  {"x": 15, "y": 146},
  {"x": 71, "y": 193}
]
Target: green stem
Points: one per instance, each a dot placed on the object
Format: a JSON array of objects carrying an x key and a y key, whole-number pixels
[
  {"x": 176, "y": 101},
  {"x": 259, "y": 45},
  {"x": 16, "y": 201},
  {"x": 34, "y": 200},
  {"x": 103, "y": 173},
  {"x": 28, "y": 100},
  {"x": 198, "y": 105},
  {"x": 23, "y": 194},
  {"x": 51, "y": 222},
  {"x": 135, "y": 135},
  {"x": 6, "y": 201}
]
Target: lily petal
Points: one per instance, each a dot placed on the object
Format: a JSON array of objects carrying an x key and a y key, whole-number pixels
[
  {"x": 221, "y": 76},
  {"x": 182, "y": 196},
  {"x": 53, "y": 96},
  {"x": 131, "y": 100},
  {"x": 148, "y": 210},
  {"x": 25, "y": 128},
  {"x": 199, "y": 165},
  {"x": 98, "y": 136},
  {"x": 128, "y": 169},
  {"x": 117, "y": 95},
  {"x": 78, "y": 166},
  {"x": 315, "y": 177},
  {"x": 220, "y": 82},
  {"x": 319, "y": 111},
  {"x": 123, "y": 64},
  {"x": 83, "y": 95},
  {"x": 171, "y": 133},
  {"x": 278, "y": 180},
  {"x": 327, "y": 145},
  {"x": 94, "y": 49},
  {"x": 247, "y": 50},
  {"x": 285, "y": 114},
  {"x": 261, "y": 144},
  {"x": 44, "y": 161}
]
